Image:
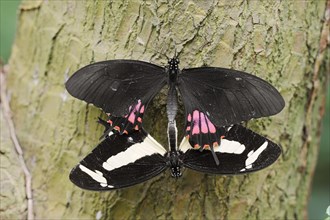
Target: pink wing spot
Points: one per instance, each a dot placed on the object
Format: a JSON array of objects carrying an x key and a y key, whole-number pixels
[
  {"x": 188, "y": 128},
  {"x": 203, "y": 124},
  {"x": 195, "y": 129},
  {"x": 139, "y": 119},
  {"x": 195, "y": 116},
  {"x": 211, "y": 125},
  {"x": 189, "y": 117},
  {"x": 142, "y": 109},
  {"x": 131, "y": 117},
  {"x": 110, "y": 122},
  {"x": 135, "y": 109},
  {"x": 137, "y": 106}
]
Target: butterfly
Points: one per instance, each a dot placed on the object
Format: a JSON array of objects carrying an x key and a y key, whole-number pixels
[
  {"x": 123, "y": 160},
  {"x": 212, "y": 97}
]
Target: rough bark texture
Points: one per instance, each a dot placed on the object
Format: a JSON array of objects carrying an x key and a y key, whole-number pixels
[
  {"x": 13, "y": 204},
  {"x": 283, "y": 42}
]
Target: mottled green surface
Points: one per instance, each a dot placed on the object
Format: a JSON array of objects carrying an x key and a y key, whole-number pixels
[
  {"x": 12, "y": 187},
  {"x": 277, "y": 41}
]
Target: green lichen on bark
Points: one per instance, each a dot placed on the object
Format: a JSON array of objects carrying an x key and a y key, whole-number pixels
[
  {"x": 278, "y": 41},
  {"x": 12, "y": 177}
]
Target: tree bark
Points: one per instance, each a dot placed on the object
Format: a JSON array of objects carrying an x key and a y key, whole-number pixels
[{"x": 283, "y": 42}]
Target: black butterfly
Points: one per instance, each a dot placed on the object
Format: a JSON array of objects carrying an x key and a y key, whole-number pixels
[
  {"x": 212, "y": 97},
  {"x": 128, "y": 159}
]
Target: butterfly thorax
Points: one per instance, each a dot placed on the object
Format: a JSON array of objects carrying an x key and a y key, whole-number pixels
[
  {"x": 173, "y": 69},
  {"x": 174, "y": 163}
]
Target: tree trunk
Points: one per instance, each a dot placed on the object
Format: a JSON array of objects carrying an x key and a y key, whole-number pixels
[{"x": 283, "y": 42}]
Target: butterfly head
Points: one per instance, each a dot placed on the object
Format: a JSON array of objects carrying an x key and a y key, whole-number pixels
[
  {"x": 174, "y": 163},
  {"x": 176, "y": 172}
]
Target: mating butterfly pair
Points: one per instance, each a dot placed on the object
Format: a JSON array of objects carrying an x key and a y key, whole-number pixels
[{"x": 215, "y": 101}]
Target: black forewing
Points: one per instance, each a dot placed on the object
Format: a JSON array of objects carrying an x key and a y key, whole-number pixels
[
  {"x": 115, "y": 85},
  {"x": 91, "y": 174},
  {"x": 253, "y": 158},
  {"x": 228, "y": 96}
]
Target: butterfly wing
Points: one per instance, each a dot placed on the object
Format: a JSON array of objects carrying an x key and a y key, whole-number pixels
[
  {"x": 227, "y": 96},
  {"x": 240, "y": 151},
  {"x": 120, "y": 87},
  {"x": 120, "y": 161}
]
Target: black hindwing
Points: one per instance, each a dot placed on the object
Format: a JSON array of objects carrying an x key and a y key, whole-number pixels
[
  {"x": 113, "y": 164},
  {"x": 240, "y": 151}
]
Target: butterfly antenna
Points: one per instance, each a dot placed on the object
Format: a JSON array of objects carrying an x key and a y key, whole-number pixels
[
  {"x": 159, "y": 53},
  {"x": 107, "y": 127},
  {"x": 104, "y": 123},
  {"x": 162, "y": 54}
]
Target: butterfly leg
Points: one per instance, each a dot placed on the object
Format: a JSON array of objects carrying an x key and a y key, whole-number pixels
[
  {"x": 104, "y": 123},
  {"x": 107, "y": 127}
]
